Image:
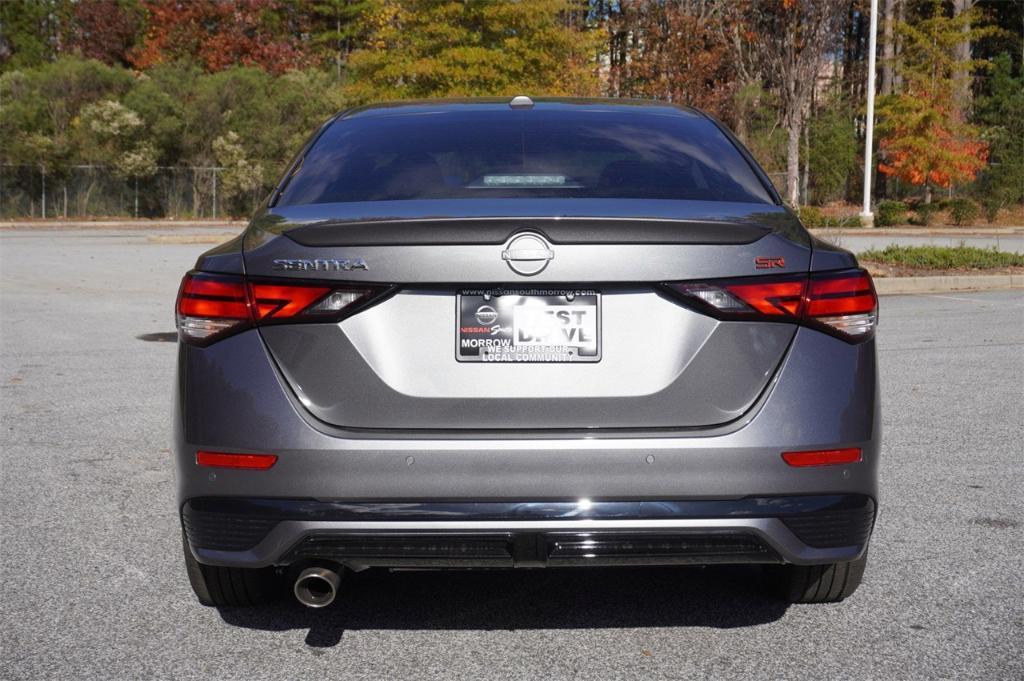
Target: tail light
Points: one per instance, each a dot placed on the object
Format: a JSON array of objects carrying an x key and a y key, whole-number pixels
[
  {"x": 841, "y": 303},
  {"x": 211, "y": 306}
]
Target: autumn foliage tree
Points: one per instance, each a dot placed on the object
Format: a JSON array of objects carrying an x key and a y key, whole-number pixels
[
  {"x": 220, "y": 34},
  {"x": 795, "y": 40},
  {"x": 675, "y": 51},
  {"x": 447, "y": 48},
  {"x": 105, "y": 30},
  {"x": 925, "y": 137},
  {"x": 240, "y": 83}
]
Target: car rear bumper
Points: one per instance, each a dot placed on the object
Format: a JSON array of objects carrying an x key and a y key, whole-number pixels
[
  {"x": 257, "y": 532},
  {"x": 231, "y": 399},
  {"x": 415, "y": 498}
]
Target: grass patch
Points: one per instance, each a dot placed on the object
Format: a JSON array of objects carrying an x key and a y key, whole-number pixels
[{"x": 944, "y": 257}]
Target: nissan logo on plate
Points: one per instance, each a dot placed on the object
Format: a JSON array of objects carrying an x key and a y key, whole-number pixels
[
  {"x": 527, "y": 254},
  {"x": 486, "y": 315}
]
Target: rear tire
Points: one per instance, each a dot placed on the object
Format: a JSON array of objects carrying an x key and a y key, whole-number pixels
[
  {"x": 829, "y": 583},
  {"x": 229, "y": 587}
]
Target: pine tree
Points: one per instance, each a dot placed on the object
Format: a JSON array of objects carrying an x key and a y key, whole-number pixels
[
  {"x": 1000, "y": 111},
  {"x": 338, "y": 29},
  {"x": 925, "y": 138}
]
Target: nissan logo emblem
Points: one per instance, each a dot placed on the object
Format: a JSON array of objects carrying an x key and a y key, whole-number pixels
[
  {"x": 486, "y": 315},
  {"x": 527, "y": 254}
]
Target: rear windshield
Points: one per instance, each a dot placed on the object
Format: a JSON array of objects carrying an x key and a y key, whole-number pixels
[{"x": 523, "y": 154}]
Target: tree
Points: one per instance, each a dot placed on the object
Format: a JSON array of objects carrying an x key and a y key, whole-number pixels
[
  {"x": 112, "y": 134},
  {"x": 222, "y": 34},
  {"x": 924, "y": 137},
  {"x": 105, "y": 30},
  {"x": 162, "y": 97},
  {"x": 832, "y": 152},
  {"x": 962, "y": 78},
  {"x": 444, "y": 48},
  {"x": 795, "y": 39},
  {"x": 744, "y": 57},
  {"x": 674, "y": 51},
  {"x": 271, "y": 116},
  {"x": 29, "y": 32},
  {"x": 1009, "y": 39},
  {"x": 241, "y": 178},
  {"x": 338, "y": 28},
  {"x": 888, "y": 47},
  {"x": 42, "y": 103},
  {"x": 1000, "y": 111}
]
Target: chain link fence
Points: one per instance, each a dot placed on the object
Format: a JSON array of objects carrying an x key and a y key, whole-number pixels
[
  {"x": 96, "y": 191},
  {"x": 27, "y": 191}
]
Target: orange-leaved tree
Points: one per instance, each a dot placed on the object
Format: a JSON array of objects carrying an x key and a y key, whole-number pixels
[
  {"x": 925, "y": 138},
  {"x": 926, "y": 142},
  {"x": 263, "y": 33}
]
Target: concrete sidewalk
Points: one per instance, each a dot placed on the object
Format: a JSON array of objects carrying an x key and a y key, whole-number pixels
[
  {"x": 125, "y": 224},
  {"x": 886, "y": 286}
]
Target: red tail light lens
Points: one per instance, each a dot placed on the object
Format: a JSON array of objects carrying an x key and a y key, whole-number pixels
[
  {"x": 281, "y": 300},
  {"x": 259, "y": 462},
  {"x": 771, "y": 298},
  {"x": 844, "y": 302},
  {"x": 822, "y": 457},
  {"x": 211, "y": 306},
  {"x": 841, "y": 303}
]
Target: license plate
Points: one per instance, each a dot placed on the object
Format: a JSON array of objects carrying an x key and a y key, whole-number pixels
[{"x": 529, "y": 325}]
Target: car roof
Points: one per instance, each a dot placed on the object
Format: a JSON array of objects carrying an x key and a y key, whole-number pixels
[{"x": 435, "y": 106}]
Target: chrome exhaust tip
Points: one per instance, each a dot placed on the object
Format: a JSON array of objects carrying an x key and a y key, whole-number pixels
[{"x": 316, "y": 587}]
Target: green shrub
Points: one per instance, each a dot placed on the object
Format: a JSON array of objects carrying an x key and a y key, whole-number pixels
[
  {"x": 844, "y": 221},
  {"x": 923, "y": 214},
  {"x": 889, "y": 213},
  {"x": 944, "y": 257},
  {"x": 811, "y": 216},
  {"x": 963, "y": 211},
  {"x": 816, "y": 218},
  {"x": 992, "y": 205}
]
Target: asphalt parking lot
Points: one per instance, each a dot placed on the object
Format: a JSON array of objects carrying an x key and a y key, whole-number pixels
[{"x": 93, "y": 584}]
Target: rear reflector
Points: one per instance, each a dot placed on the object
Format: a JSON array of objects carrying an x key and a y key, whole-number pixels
[
  {"x": 211, "y": 306},
  {"x": 841, "y": 303},
  {"x": 822, "y": 457},
  {"x": 259, "y": 462}
]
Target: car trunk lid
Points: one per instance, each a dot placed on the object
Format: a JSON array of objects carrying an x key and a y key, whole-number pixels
[{"x": 401, "y": 364}]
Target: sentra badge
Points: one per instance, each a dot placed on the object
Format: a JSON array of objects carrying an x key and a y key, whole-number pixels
[{"x": 321, "y": 265}]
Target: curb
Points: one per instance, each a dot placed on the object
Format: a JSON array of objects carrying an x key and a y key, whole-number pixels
[
  {"x": 119, "y": 225},
  {"x": 918, "y": 231},
  {"x": 887, "y": 286},
  {"x": 191, "y": 238}
]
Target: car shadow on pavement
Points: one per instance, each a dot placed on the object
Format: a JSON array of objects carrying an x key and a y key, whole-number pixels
[{"x": 722, "y": 596}]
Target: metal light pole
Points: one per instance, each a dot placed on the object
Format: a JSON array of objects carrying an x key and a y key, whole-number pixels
[{"x": 867, "y": 218}]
